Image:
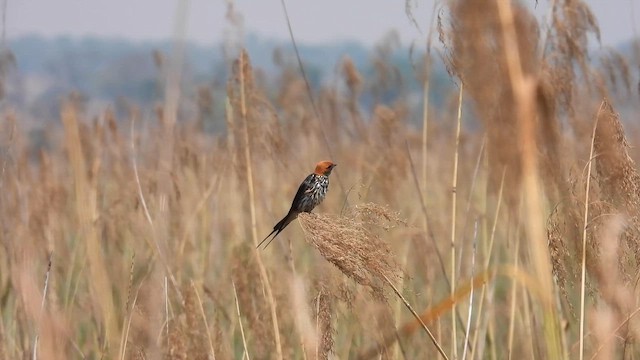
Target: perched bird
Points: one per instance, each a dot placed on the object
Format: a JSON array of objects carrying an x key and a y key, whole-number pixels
[{"x": 310, "y": 193}]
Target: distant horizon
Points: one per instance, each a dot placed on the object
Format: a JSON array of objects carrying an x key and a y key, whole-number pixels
[
  {"x": 119, "y": 38},
  {"x": 593, "y": 45},
  {"x": 316, "y": 23}
]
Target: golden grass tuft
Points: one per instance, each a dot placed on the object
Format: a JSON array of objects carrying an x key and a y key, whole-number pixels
[{"x": 349, "y": 242}]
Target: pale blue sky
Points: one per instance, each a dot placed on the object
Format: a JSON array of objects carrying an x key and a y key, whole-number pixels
[{"x": 313, "y": 21}]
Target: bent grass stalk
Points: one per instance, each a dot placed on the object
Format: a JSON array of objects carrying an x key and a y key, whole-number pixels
[{"x": 413, "y": 312}]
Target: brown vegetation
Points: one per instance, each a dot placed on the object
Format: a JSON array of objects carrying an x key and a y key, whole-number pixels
[{"x": 150, "y": 225}]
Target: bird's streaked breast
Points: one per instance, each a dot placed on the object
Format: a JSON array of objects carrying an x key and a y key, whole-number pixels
[{"x": 316, "y": 193}]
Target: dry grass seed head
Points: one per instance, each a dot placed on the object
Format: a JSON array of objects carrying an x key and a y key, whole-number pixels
[
  {"x": 352, "y": 76},
  {"x": 348, "y": 243},
  {"x": 616, "y": 174},
  {"x": 615, "y": 68},
  {"x": 254, "y": 111},
  {"x": 567, "y": 44},
  {"x": 614, "y": 190},
  {"x": 470, "y": 37},
  {"x": 177, "y": 347},
  {"x": 324, "y": 304},
  {"x": 564, "y": 231},
  {"x": 558, "y": 250}
]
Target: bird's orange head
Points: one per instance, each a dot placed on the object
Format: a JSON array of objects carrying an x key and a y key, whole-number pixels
[{"x": 324, "y": 168}]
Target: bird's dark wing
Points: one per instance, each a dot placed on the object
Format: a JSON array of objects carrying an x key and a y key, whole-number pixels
[{"x": 306, "y": 186}]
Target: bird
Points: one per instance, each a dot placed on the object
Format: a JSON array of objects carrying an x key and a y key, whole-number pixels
[{"x": 309, "y": 195}]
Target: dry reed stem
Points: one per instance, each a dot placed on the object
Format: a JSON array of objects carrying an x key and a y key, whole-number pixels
[
  {"x": 44, "y": 298},
  {"x": 167, "y": 319},
  {"x": 523, "y": 87},
  {"x": 488, "y": 261},
  {"x": 244, "y": 66},
  {"x": 583, "y": 276},
  {"x": 514, "y": 293},
  {"x": 244, "y": 340},
  {"x": 472, "y": 187},
  {"x": 473, "y": 268},
  {"x": 454, "y": 203},
  {"x": 124, "y": 334},
  {"x": 127, "y": 325}
]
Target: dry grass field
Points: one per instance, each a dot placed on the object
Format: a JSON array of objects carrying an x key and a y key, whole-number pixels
[{"x": 505, "y": 226}]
